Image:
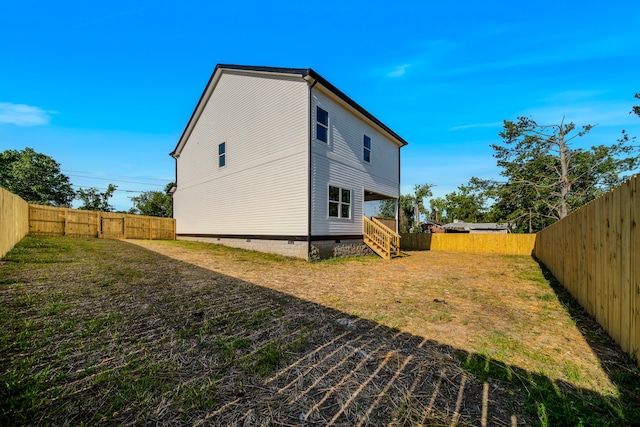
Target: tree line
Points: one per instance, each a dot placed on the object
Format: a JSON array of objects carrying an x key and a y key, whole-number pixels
[
  {"x": 37, "y": 178},
  {"x": 544, "y": 178}
]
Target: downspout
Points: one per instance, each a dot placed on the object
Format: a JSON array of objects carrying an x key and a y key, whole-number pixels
[
  {"x": 175, "y": 185},
  {"x": 172, "y": 191},
  {"x": 309, "y": 188},
  {"x": 398, "y": 199}
]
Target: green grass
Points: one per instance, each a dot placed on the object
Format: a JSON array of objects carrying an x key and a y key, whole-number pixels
[{"x": 551, "y": 404}]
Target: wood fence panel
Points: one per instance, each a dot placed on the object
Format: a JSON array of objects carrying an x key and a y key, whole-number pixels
[
  {"x": 46, "y": 220},
  {"x": 151, "y": 228},
  {"x": 108, "y": 225},
  {"x": 634, "y": 294},
  {"x": 137, "y": 228},
  {"x": 14, "y": 220},
  {"x": 595, "y": 253},
  {"x": 616, "y": 282},
  {"x": 81, "y": 223},
  {"x": 600, "y": 262},
  {"x": 606, "y": 252},
  {"x": 634, "y": 326},
  {"x": 388, "y": 222},
  {"x": 508, "y": 244},
  {"x": 624, "y": 263},
  {"x": 112, "y": 225},
  {"x": 590, "y": 243},
  {"x": 163, "y": 229}
]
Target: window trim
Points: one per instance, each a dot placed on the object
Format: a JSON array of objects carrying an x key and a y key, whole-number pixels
[
  {"x": 340, "y": 203},
  {"x": 366, "y": 149},
  {"x": 222, "y": 154},
  {"x": 326, "y": 126}
]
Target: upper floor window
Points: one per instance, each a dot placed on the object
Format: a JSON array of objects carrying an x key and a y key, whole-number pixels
[
  {"x": 322, "y": 125},
  {"x": 367, "y": 149},
  {"x": 222, "y": 154},
  {"x": 339, "y": 202}
]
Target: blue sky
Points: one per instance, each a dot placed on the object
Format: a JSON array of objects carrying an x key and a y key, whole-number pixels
[{"x": 106, "y": 88}]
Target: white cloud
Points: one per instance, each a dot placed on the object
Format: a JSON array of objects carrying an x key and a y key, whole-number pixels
[
  {"x": 603, "y": 113},
  {"x": 478, "y": 125},
  {"x": 24, "y": 115},
  {"x": 398, "y": 71}
]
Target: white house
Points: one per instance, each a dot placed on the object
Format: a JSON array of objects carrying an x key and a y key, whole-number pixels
[{"x": 279, "y": 160}]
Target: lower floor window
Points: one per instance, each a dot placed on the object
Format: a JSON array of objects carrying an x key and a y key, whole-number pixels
[{"x": 339, "y": 202}]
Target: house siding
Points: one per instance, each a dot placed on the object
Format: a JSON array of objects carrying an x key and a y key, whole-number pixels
[
  {"x": 340, "y": 163},
  {"x": 263, "y": 119}
]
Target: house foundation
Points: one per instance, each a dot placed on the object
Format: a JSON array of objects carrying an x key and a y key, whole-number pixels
[
  {"x": 338, "y": 249},
  {"x": 320, "y": 249}
]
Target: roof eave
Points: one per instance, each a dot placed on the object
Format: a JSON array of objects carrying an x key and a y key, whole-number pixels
[{"x": 302, "y": 72}]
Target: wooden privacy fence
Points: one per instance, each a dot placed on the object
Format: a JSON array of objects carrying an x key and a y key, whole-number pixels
[
  {"x": 14, "y": 220},
  {"x": 388, "y": 222},
  {"x": 73, "y": 222},
  {"x": 595, "y": 254},
  {"x": 507, "y": 244}
]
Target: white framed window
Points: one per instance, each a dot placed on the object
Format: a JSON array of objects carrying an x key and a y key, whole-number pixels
[
  {"x": 222, "y": 154},
  {"x": 339, "y": 202},
  {"x": 366, "y": 153},
  {"x": 322, "y": 125}
]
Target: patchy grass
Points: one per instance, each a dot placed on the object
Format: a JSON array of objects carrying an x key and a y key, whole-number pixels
[{"x": 96, "y": 331}]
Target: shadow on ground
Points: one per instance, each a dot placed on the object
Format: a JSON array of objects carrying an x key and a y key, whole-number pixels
[{"x": 142, "y": 339}]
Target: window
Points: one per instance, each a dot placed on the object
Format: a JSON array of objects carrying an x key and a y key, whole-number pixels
[
  {"x": 367, "y": 149},
  {"x": 339, "y": 202},
  {"x": 322, "y": 125},
  {"x": 222, "y": 154}
]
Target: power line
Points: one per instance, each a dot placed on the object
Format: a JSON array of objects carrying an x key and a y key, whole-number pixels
[
  {"x": 82, "y": 187},
  {"x": 118, "y": 180},
  {"x": 120, "y": 176}
]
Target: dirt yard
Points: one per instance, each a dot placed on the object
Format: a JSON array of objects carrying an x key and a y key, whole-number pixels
[
  {"x": 183, "y": 333},
  {"x": 451, "y": 298}
]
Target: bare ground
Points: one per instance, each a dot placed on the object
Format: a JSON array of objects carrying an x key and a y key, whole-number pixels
[{"x": 194, "y": 334}]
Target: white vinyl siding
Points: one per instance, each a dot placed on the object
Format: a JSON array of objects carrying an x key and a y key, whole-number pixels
[
  {"x": 342, "y": 165},
  {"x": 262, "y": 189}
]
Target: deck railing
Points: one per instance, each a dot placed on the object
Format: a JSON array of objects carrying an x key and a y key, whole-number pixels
[{"x": 384, "y": 241}]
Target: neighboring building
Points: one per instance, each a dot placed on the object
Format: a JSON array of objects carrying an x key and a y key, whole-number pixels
[
  {"x": 279, "y": 160},
  {"x": 476, "y": 228},
  {"x": 431, "y": 227}
]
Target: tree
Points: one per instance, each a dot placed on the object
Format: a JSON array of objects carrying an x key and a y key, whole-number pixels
[
  {"x": 93, "y": 200},
  {"x": 546, "y": 178},
  {"x": 406, "y": 212},
  {"x": 468, "y": 203},
  {"x": 410, "y": 206},
  {"x": 35, "y": 177},
  {"x": 154, "y": 203},
  {"x": 420, "y": 192},
  {"x": 387, "y": 208},
  {"x": 438, "y": 209}
]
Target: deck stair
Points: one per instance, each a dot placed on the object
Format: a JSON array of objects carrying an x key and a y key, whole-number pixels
[{"x": 380, "y": 238}]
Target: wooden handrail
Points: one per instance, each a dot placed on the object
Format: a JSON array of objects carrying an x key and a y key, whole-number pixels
[{"x": 386, "y": 240}]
